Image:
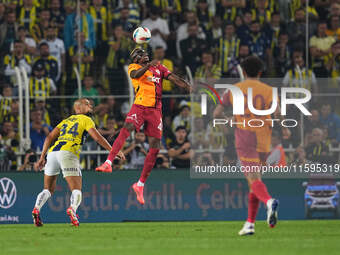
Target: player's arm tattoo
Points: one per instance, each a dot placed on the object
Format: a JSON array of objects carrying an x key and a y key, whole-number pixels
[{"x": 180, "y": 82}]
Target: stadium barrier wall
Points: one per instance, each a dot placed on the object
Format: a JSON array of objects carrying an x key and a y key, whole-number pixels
[{"x": 170, "y": 196}]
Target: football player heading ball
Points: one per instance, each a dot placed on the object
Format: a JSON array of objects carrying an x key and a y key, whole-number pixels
[{"x": 146, "y": 79}]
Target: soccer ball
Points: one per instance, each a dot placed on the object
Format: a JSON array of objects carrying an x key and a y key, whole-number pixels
[{"x": 141, "y": 35}]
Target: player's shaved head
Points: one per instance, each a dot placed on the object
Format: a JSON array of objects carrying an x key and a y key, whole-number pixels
[
  {"x": 82, "y": 106},
  {"x": 252, "y": 66}
]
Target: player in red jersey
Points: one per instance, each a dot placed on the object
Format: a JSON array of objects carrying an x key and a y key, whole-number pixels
[
  {"x": 147, "y": 79},
  {"x": 253, "y": 143}
]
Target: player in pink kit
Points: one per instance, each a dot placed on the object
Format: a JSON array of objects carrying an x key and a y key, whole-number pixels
[{"x": 147, "y": 79}]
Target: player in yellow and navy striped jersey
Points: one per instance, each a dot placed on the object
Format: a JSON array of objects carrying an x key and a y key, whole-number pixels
[{"x": 70, "y": 135}]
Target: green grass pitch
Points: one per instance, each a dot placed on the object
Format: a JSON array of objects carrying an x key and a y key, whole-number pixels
[{"x": 176, "y": 238}]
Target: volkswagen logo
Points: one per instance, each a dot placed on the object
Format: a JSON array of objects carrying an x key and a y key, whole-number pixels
[{"x": 8, "y": 193}]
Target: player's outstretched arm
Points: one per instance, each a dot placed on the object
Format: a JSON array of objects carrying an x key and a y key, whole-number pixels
[
  {"x": 47, "y": 143},
  {"x": 94, "y": 133},
  {"x": 135, "y": 74},
  {"x": 180, "y": 82}
]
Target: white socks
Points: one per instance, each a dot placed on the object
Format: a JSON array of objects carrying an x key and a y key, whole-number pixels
[
  {"x": 75, "y": 199},
  {"x": 140, "y": 184},
  {"x": 109, "y": 162},
  {"x": 42, "y": 197}
]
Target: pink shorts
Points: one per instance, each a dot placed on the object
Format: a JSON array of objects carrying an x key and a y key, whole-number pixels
[{"x": 150, "y": 117}]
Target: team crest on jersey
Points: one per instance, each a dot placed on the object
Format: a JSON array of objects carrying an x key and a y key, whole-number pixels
[{"x": 158, "y": 72}]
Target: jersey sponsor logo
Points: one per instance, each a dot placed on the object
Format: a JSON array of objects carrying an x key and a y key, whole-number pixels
[
  {"x": 8, "y": 193},
  {"x": 154, "y": 79}
]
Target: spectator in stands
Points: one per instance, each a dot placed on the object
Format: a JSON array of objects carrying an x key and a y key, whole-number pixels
[
  {"x": 17, "y": 58},
  {"x": 208, "y": 71},
  {"x": 191, "y": 5},
  {"x": 312, "y": 122},
  {"x": 332, "y": 62},
  {"x": 261, "y": 12},
  {"x": 83, "y": 55},
  {"x": 40, "y": 85},
  {"x": 56, "y": 48},
  {"x": 39, "y": 130},
  {"x": 30, "y": 159},
  {"x": 158, "y": 27},
  {"x": 228, "y": 10},
  {"x": 9, "y": 137},
  {"x": 320, "y": 47},
  {"x": 5, "y": 101},
  {"x": 206, "y": 159},
  {"x": 317, "y": 150},
  {"x": 88, "y": 90},
  {"x": 215, "y": 32},
  {"x": 180, "y": 150},
  {"x": 242, "y": 54},
  {"x": 57, "y": 16},
  {"x": 203, "y": 14},
  {"x": 110, "y": 131},
  {"x": 274, "y": 29},
  {"x": 182, "y": 32},
  {"x": 49, "y": 62},
  {"x": 298, "y": 76},
  {"x": 297, "y": 28},
  {"x": 168, "y": 135},
  {"x": 331, "y": 121},
  {"x": 162, "y": 161},
  {"x": 277, "y": 156},
  {"x": 124, "y": 20},
  {"x": 227, "y": 49},
  {"x": 28, "y": 15},
  {"x": 282, "y": 55},
  {"x": 334, "y": 27},
  {"x": 118, "y": 55},
  {"x": 334, "y": 10},
  {"x": 182, "y": 119},
  {"x": 8, "y": 33},
  {"x": 101, "y": 115},
  {"x": 29, "y": 43},
  {"x": 39, "y": 29},
  {"x": 243, "y": 31},
  {"x": 86, "y": 28},
  {"x": 40, "y": 104},
  {"x": 13, "y": 115},
  {"x": 8, "y": 143},
  {"x": 300, "y": 157},
  {"x": 259, "y": 43},
  {"x": 199, "y": 137},
  {"x": 134, "y": 11},
  {"x": 100, "y": 16},
  {"x": 113, "y": 107},
  {"x": 191, "y": 48},
  {"x": 137, "y": 151}
]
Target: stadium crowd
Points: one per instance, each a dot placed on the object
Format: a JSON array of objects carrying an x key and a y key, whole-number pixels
[{"x": 49, "y": 38}]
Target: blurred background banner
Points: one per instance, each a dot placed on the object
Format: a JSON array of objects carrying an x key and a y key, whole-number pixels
[{"x": 170, "y": 195}]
